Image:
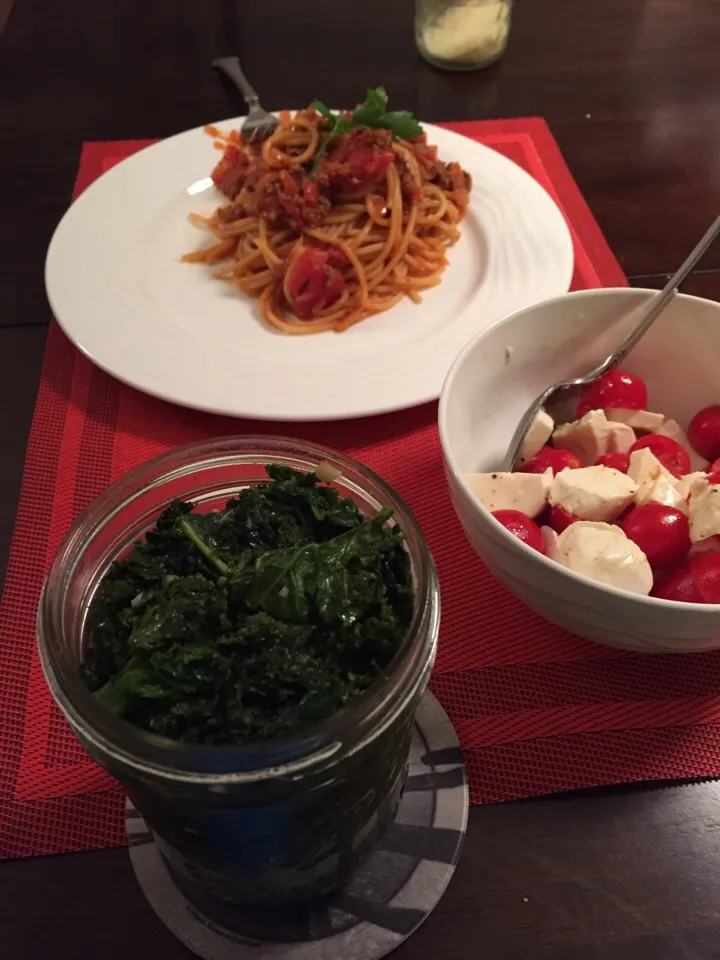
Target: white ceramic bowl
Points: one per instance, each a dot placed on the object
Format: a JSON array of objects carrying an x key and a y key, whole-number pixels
[{"x": 483, "y": 398}]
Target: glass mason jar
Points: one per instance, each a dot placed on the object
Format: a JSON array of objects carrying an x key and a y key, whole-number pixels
[
  {"x": 462, "y": 34},
  {"x": 285, "y": 819}
]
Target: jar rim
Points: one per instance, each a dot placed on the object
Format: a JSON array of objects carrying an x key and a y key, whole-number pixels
[{"x": 156, "y": 756}]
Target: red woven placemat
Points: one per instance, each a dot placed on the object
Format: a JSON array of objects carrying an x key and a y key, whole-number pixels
[{"x": 536, "y": 710}]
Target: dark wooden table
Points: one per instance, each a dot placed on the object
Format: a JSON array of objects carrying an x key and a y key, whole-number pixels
[{"x": 631, "y": 89}]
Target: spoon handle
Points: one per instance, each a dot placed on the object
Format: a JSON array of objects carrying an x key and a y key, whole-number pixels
[
  {"x": 660, "y": 300},
  {"x": 654, "y": 307}
]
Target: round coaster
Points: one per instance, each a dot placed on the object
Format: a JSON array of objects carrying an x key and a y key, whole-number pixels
[{"x": 397, "y": 887}]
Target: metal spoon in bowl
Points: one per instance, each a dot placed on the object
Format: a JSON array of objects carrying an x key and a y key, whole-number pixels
[{"x": 559, "y": 393}]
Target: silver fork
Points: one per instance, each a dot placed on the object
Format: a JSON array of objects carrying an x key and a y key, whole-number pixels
[{"x": 259, "y": 123}]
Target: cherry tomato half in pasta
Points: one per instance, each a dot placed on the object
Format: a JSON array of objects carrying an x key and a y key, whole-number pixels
[
  {"x": 313, "y": 283},
  {"x": 617, "y": 389},
  {"x": 522, "y": 527},
  {"x": 671, "y": 454},
  {"x": 704, "y": 432},
  {"x": 618, "y": 461},
  {"x": 359, "y": 159},
  {"x": 555, "y": 460},
  {"x": 661, "y": 532},
  {"x": 697, "y": 581}
]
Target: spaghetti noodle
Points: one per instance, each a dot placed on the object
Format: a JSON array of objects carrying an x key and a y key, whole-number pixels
[{"x": 327, "y": 229}]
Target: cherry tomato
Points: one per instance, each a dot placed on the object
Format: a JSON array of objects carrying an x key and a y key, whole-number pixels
[
  {"x": 617, "y": 389},
  {"x": 229, "y": 172},
  {"x": 671, "y": 454},
  {"x": 704, "y": 432},
  {"x": 312, "y": 283},
  {"x": 708, "y": 545},
  {"x": 713, "y": 471},
  {"x": 289, "y": 185},
  {"x": 697, "y": 581},
  {"x": 661, "y": 532},
  {"x": 368, "y": 163},
  {"x": 559, "y": 518},
  {"x": 360, "y": 157},
  {"x": 706, "y": 572},
  {"x": 679, "y": 585},
  {"x": 336, "y": 257},
  {"x": 556, "y": 460},
  {"x": 522, "y": 527},
  {"x": 618, "y": 461},
  {"x": 310, "y": 192}
]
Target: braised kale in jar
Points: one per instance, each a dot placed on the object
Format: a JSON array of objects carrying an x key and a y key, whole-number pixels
[{"x": 244, "y": 624}]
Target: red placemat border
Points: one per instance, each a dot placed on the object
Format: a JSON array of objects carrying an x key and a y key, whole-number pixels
[{"x": 57, "y": 376}]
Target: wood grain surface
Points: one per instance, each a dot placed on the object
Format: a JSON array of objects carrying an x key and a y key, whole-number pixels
[{"x": 631, "y": 90}]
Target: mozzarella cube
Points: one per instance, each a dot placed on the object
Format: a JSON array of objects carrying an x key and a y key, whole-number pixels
[
  {"x": 526, "y": 492},
  {"x": 593, "y": 493},
  {"x": 704, "y": 508},
  {"x": 662, "y": 490},
  {"x": 672, "y": 429},
  {"x": 621, "y": 437},
  {"x": 685, "y": 485},
  {"x": 536, "y": 437},
  {"x": 641, "y": 420},
  {"x": 602, "y": 552},
  {"x": 593, "y": 436},
  {"x": 645, "y": 467}
]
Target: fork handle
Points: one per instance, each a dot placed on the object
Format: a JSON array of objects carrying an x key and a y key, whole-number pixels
[{"x": 230, "y": 67}]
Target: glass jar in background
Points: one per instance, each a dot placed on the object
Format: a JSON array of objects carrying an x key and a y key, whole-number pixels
[
  {"x": 261, "y": 823},
  {"x": 462, "y": 34}
]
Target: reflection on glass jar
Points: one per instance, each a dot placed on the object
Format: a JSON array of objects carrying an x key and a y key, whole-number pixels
[
  {"x": 286, "y": 819},
  {"x": 462, "y": 34}
]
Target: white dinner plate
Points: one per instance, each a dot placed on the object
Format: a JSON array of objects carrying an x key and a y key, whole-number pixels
[{"x": 117, "y": 287}]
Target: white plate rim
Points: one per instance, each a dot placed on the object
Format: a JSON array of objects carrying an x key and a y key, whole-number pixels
[{"x": 312, "y": 411}]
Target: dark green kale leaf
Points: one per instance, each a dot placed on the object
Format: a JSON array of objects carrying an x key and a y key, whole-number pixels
[
  {"x": 336, "y": 581},
  {"x": 292, "y": 510},
  {"x": 129, "y": 585},
  {"x": 186, "y": 609},
  {"x": 245, "y": 623}
]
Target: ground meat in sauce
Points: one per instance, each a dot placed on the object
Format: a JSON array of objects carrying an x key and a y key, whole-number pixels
[
  {"x": 358, "y": 160},
  {"x": 448, "y": 176},
  {"x": 282, "y": 197},
  {"x": 230, "y": 182},
  {"x": 409, "y": 187},
  {"x": 276, "y": 201},
  {"x": 230, "y": 172},
  {"x": 231, "y": 212},
  {"x": 340, "y": 149}
]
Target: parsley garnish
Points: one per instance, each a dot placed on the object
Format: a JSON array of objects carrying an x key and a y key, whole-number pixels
[{"x": 371, "y": 113}]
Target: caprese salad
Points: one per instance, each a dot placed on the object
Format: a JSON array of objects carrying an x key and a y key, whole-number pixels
[{"x": 620, "y": 494}]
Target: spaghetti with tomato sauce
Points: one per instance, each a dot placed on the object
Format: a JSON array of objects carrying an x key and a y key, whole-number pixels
[{"x": 328, "y": 230}]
